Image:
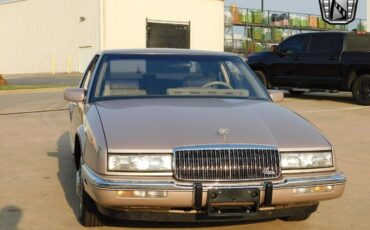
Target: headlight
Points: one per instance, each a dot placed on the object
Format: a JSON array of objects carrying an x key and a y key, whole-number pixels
[
  {"x": 306, "y": 160},
  {"x": 139, "y": 162}
]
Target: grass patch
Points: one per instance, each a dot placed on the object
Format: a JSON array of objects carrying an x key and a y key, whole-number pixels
[{"x": 17, "y": 87}]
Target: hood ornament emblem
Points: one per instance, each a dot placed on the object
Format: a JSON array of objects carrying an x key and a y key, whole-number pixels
[
  {"x": 223, "y": 132},
  {"x": 268, "y": 172}
]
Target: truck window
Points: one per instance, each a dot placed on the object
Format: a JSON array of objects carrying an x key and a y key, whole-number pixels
[
  {"x": 358, "y": 42},
  {"x": 324, "y": 43},
  {"x": 294, "y": 45}
]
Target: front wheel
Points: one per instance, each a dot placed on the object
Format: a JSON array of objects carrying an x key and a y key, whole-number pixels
[
  {"x": 361, "y": 90},
  {"x": 89, "y": 215}
]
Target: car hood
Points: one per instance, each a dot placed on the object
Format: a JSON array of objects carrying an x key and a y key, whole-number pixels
[
  {"x": 264, "y": 53},
  {"x": 259, "y": 56},
  {"x": 162, "y": 124}
]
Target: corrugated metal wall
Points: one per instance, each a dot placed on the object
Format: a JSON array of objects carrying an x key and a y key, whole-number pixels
[
  {"x": 368, "y": 14},
  {"x": 39, "y": 36},
  {"x": 44, "y": 36},
  {"x": 124, "y": 22}
]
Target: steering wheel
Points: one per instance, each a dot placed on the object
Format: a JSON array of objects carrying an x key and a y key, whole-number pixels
[{"x": 213, "y": 83}]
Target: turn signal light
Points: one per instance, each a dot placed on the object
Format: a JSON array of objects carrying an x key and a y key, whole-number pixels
[
  {"x": 316, "y": 189},
  {"x": 141, "y": 194}
]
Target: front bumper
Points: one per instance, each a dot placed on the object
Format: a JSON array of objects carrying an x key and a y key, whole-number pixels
[
  {"x": 183, "y": 195},
  {"x": 264, "y": 213}
]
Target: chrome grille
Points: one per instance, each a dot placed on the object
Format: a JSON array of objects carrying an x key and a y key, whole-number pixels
[{"x": 226, "y": 163}]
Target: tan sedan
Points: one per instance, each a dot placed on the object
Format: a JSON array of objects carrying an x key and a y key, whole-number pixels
[{"x": 178, "y": 135}]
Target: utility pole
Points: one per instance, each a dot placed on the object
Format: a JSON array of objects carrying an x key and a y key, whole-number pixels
[{"x": 262, "y": 5}]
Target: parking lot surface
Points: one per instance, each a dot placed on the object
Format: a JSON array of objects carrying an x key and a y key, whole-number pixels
[
  {"x": 37, "y": 188},
  {"x": 44, "y": 79}
]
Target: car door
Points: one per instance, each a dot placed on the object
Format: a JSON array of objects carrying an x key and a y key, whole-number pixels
[
  {"x": 76, "y": 110},
  {"x": 322, "y": 61},
  {"x": 287, "y": 63}
]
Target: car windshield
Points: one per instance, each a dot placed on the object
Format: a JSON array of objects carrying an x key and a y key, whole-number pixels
[{"x": 133, "y": 76}]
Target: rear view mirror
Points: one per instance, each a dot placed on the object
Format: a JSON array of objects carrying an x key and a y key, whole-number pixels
[
  {"x": 276, "y": 95},
  {"x": 74, "y": 95}
]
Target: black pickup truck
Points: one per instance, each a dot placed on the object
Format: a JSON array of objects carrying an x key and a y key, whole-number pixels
[{"x": 334, "y": 61}]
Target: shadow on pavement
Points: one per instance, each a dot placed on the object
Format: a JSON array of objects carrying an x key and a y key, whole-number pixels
[
  {"x": 337, "y": 97},
  {"x": 10, "y": 217},
  {"x": 66, "y": 176},
  {"x": 67, "y": 171}
]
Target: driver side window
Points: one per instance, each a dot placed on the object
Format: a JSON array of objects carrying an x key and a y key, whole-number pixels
[{"x": 294, "y": 45}]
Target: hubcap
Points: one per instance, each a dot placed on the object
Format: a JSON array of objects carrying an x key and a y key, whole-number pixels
[
  {"x": 364, "y": 90},
  {"x": 79, "y": 188}
]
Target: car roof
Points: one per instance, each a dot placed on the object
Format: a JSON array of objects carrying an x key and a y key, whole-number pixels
[
  {"x": 332, "y": 32},
  {"x": 166, "y": 52}
]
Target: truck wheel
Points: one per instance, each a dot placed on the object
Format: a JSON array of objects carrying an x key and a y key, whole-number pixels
[
  {"x": 361, "y": 90},
  {"x": 298, "y": 217},
  {"x": 89, "y": 216},
  {"x": 296, "y": 93},
  {"x": 261, "y": 75}
]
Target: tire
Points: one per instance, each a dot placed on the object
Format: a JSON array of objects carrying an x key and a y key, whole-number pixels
[
  {"x": 89, "y": 215},
  {"x": 298, "y": 217},
  {"x": 262, "y": 77},
  {"x": 296, "y": 93},
  {"x": 361, "y": 90}
]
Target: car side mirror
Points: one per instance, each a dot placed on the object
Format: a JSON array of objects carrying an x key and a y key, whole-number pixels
[
  {"x": 74, "y": 95},
  {"x": 276, "y": 95}
]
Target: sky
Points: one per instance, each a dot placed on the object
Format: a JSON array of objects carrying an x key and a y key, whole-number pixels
[{"x": 295, "y": 6}]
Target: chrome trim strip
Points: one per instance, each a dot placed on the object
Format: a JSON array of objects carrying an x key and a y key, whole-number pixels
[
  {"x": 146, "y": 151},
  {"x": 155, "y": 151},
  {"x": 307, "y": 149},
  {"x": 225, "y": 146},
  {"x": 336, "y": 178},
  {"x": 95, "y": 181}
]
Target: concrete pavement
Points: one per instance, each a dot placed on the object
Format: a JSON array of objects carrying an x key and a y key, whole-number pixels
[{"x": 37, "y": 188}]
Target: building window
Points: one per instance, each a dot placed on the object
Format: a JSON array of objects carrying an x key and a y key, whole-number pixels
[{"x": 166, "y": 35}]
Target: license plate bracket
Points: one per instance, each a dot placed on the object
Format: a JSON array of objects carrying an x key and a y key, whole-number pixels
[{"x": 233, "y": 202}]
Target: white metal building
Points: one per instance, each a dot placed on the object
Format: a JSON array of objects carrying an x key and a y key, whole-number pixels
[
  {"x": 368, "y": 14},
  {"x": 43, "y": 36}
]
